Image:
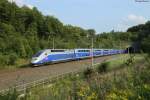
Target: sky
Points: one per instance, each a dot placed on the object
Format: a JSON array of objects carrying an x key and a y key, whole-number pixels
[{"x": 101, "y": 15}]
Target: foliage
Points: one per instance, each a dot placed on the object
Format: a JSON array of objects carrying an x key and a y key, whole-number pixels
[
  {"x": 8, "y": 59},
  {"x": 11, "y": 95},
  {"x": 131, "y": 83},
  {"x": 24, "y": 31},
  {"x": 3, "y": 60},
  {"x": 12, "y": 59},
  {"x": 88, "y": 72},
  {"x": 103, "y": 67},
  {"x": 120, "y": 86},
  {"x": 141, "y": 42},
  {"x": 130, "y": 60}
]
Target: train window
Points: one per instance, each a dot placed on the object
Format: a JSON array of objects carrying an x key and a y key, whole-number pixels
[
  {"x": 87, "y": 50},
  {"x": 57, "y": 50},
  {"x": 79, "y": 50},
  {"x": 38, "y": 54},
  {"x": 97, "y": 50},
  {"x": 83, "y": 50}
]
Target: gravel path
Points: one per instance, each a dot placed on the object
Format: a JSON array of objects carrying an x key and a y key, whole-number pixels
[{"x": 25, "y": 75}]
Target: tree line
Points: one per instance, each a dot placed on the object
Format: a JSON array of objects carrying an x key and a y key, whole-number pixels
[
  {"x": 25, "y": 31},
  {"x": 142, "y": 40}
]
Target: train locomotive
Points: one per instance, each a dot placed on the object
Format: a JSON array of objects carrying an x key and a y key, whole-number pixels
[{"x": 58, "y": 55}]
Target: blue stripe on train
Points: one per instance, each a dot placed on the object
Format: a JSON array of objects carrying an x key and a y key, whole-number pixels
[
  {"x": 81, "y": 55},
  {"x": 56, "y": 57},
  {"x": 98, "y": 53},
  {"x": 59, "y": 57}
]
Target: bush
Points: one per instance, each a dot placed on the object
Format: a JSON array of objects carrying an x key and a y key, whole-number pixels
[
  {"x": 12, "y": 59},
  {"x": 88, "y": 72},
  {"x": 141, "y": 92},
  {"x": 3, "y": 60},
  {"x": 8, "y": 59},
  {"x": 11, "y": 95},
  {"x": 130, "y": 61},
  {"x": 103, "y": 67}
]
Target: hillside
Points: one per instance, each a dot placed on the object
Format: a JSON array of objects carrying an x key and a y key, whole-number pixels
[
  {"x": 142, "y": 40},
  {"x": 110, "y": 80},
  {"x": 24, "y": 31}
]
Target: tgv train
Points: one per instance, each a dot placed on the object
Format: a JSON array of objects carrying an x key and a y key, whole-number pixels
[{"x": 58, "y": 55}]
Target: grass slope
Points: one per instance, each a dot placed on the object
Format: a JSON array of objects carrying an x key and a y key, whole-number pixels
[{"x": 131, "y": 82}]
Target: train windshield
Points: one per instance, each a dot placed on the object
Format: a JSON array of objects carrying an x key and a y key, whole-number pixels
[{"x": 38, "y": 54}]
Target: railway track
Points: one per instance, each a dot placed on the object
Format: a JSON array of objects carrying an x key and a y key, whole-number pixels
[{"x": 28, "y": 75}]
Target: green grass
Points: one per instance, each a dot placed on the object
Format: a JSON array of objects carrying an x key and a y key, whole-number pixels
[
  {"x": 123, "y": 84},
  {"x": 20, "y": 63},
  {"x": 113, "y": 64},
  {"x": 128, "y": 84},
  {"x": 118, "y": 63}
]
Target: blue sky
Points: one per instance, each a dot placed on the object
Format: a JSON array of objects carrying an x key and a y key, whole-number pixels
[{"x": 101, "y": 15}]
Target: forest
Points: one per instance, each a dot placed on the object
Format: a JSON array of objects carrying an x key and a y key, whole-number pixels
[{"x": 25, "y": 31}]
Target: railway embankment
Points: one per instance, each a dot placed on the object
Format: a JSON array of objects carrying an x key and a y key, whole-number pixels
[
  {"x": 33, "y": 75},
  {"x": 119, "y": 80}
]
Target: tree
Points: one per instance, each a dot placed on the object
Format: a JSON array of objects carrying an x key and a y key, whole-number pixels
[
  {"x": 141, "y": 41},
  {"x": 91, "y": 32}
]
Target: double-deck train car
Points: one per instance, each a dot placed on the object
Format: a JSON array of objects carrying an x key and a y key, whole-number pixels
[
  {"x": 58, "y": 55},
  {"x": 82, "y": 53}
]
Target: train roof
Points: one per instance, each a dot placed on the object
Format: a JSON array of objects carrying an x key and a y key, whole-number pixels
[{"x": 79, "y": 49}]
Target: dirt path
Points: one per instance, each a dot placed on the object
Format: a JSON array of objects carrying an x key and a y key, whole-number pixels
[{"x": 25, "y": 75}]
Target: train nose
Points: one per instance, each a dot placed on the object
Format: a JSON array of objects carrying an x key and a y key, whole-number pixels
[{"x": 34, "y": 60}]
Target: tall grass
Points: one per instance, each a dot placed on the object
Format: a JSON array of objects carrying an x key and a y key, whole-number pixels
[{"x": 130, "y": 83}]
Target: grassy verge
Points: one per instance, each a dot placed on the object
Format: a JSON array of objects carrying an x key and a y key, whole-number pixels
[
  {"x": 19, "y": 63},
  {"x": 130, "y": 83},
  {"x": 121, "y": 61}
]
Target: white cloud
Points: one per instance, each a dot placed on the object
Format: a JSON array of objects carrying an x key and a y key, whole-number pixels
[
  {"x": 21, "y": 3},
  {"x": 130, "y": 20},
  {"x": 136, "y": 19}
]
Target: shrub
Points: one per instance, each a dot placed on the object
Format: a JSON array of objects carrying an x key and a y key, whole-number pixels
[
  {"x": 11, "y": 95},
  {"x": 8, "y": 59},
  {"x": 88, "y": 72},
  {"x": 4, "y": 59},
  {"x": 103, "y": 67},
  {"x": 145, "y": 75},
  {"x": 12, "y": 59},
  {"x": 130, "y": 61}
]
